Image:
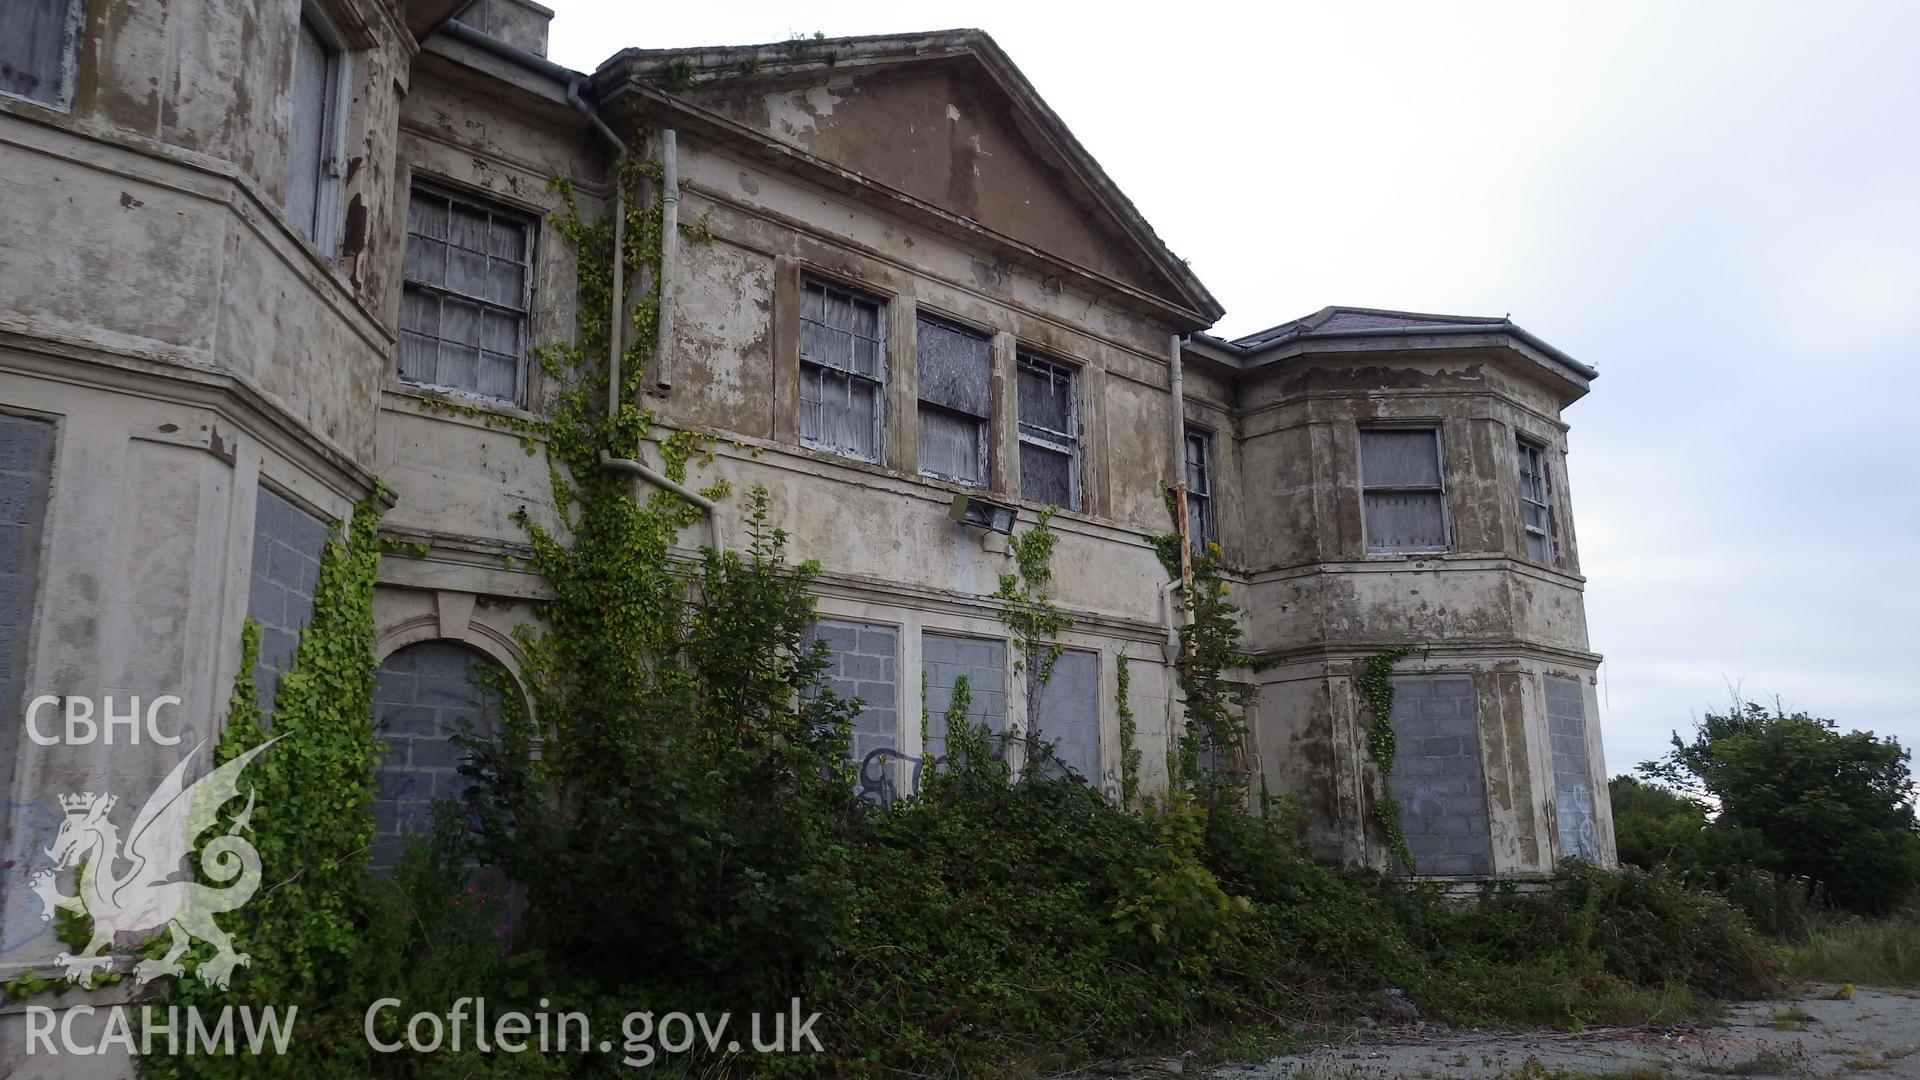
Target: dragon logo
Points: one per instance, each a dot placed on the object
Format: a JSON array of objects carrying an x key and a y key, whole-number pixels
[{"x": 151, "y": 894}]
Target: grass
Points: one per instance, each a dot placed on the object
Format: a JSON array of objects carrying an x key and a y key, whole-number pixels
[
  {"x": 1871, "y": 953},
  {"x": 1532, "y": 1069},
  {"x": 1862, "y": 1064},
  {"x": 1764, "y": 1063},
  {"x": 1793, "y": 1018}
]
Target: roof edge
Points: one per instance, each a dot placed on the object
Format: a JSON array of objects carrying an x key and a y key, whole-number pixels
[{"x": 747, "y": 61}]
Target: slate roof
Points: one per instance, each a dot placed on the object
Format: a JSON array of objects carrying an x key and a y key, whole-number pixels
[{"x": 1337, "y": 323}]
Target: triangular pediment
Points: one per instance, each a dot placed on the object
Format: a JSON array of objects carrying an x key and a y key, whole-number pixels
[{"x": 947, "y": 121}]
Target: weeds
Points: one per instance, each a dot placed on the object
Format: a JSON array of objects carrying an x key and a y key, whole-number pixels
[
  {"x": 1793, "y": 1018},
  {"x": 1853, "y": 950}
]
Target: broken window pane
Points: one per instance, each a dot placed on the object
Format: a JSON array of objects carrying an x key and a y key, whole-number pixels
[
  {"x": 1046, "y": 398},
  {"x": 464, "y": 309},
  {"x": 1049, "y": 433},
  {"x": 1199, "y": 470},
  {"x": 842, "y": 370},
  {"x": 1535, "y": 512}
]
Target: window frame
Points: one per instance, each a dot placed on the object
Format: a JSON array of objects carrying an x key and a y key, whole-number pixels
[
  {"x": 68, "y": 63},
  {"x": 530, "y": 231},
  {"x": 983, "y": 438},
  {"x": 1438, "y": 431},
  {"x": 323, "y": 232},
  {"x": 1536, "y": 451},
  {"x": 881, "y": 333},
  {"x": 1210, "y": 531},
  {"x": 1066, "y": 442}
]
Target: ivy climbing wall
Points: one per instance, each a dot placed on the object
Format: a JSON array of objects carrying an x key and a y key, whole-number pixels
[
  {"x": 944, "y": 659},
  {"x": 1067, "y": 712}
]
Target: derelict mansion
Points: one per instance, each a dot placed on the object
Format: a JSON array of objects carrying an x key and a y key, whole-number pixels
[{"x": 249, "y": 246}]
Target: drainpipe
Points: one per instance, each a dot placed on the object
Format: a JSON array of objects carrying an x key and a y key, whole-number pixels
[
  {"x": 1177, "y": 386},
  {"x": 574, "y": 80},
  {"x": 669, "y": 254},
  {"x": 615, "y": 320},
  {"x": 619, "y": 244},
  {"x": 654, "y": 476}
]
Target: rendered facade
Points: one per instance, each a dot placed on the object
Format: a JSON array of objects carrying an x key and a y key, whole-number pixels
[{"x": 253, "y": 251}]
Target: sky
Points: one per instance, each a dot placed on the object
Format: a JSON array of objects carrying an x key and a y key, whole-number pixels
[{"x": 1716, "y": 204}]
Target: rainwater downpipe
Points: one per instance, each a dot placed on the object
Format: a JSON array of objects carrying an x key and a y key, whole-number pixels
[
  {"x": 670, "y": 214},
  {"x": 669, "y": 255},
  {"x": 1177, "y": 386}
]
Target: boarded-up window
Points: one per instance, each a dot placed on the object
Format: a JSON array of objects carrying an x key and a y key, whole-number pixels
[
  {"x": 1536, "y": 513},
  {"x": 842, "y": 370},
  {"x": 313, "y": 166},
  {"x": 36, "y": 44},
  {"x": 463, "y": 313},
  {"x": 1065, "y": 713},
  {"x": 1406, "y": 498},
  {"x": 1438, "y": 777},
  {"x": 945, "y": 659},
  {"x": 426, "y": 696},
  {"x": 1049, "y": 433},
  {"x": 1199, "y": 466},
  {"x": 288, "y": 544},
  {"x": 956, "y": 377},
  {"x": 863, "y": 667},
  {"x": 1572, "y": 772},
  {"x": 26, "y": 479}
]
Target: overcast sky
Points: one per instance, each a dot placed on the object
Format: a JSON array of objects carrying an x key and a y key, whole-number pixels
[{"x": 1717, "y": 205}]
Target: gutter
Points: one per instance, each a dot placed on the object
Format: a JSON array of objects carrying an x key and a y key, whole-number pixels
[
  {"x": 532, "y": 61},
  {"x": 574, "y": 80}
]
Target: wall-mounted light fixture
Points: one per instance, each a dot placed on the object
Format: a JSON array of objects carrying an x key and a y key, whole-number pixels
[{"x": 982, "y": 514}]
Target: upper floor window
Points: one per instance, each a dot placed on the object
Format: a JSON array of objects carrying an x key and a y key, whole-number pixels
[
  {"x": 36, "y": 49},
  {"x": 315, "y": 144},
  {"x": 843, "y": 366},
  {"x": 463, "y": 310},
  {"x": 1536, "y": 512},
  {"x": 1404, "y": 490},
  {"x": 1199, "y": 469},
  {"x": 1049, "y": 432},
  {"x": 955, "y": 367}
]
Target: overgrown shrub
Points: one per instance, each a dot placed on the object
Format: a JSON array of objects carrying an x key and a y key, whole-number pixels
[{"x": 685, "y": 822}]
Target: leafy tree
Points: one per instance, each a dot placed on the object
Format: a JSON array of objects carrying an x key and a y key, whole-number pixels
[
  {"x": 1799, "y": 797},
  {"x": 1655, "y": 826}
]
